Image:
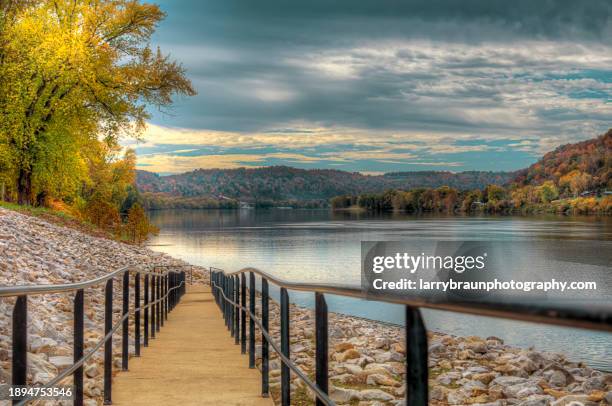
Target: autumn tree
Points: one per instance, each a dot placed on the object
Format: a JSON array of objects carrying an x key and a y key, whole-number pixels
[
  {"x": 138, "y": 226},
  {"x": 72, "y": 73},
  {"x": 548, "y": 192}
]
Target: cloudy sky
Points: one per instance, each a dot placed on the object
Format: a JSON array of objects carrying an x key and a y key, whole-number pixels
[{"x": 379, "y": 86}]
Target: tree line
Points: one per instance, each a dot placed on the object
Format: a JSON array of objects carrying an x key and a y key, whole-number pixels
[
  {"x": 493, "y": 199},
  {"x": 75, "y": 76},
  {"x": 574, "y": 178}
]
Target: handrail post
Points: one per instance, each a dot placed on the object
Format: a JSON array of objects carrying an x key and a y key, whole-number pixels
[
  {"x": 162, "y": 303},
  {"x": 152, "y": 306},
  {"x": 78, "y": 346},
  {"x": 265, "y": 346},
  {"x": 227, "y": 305},
  {"x": 171, "y": 290},
  {"x": 285, "y": 345},
  {"x": 236, "y": 310},
  {"x": 166, "y": 295},
  {"x": 251, "y": 321},
  {"x": 322, "y": 346},
  {"x": 145, "y": 326},
  {"x": 184, "y": 286},
  {"x": 20, "y": 342},
  {"x": 243, "y": 311},
  {"x": 230, "y": 282},
  {"x": 124, "y": 329},
  {"x": 221, "y": 292},
  {"x": 137, "y": 314},
  {"x": 108, "y": 344},
  {"x": 158, "y": 305},
  {"x": 416, "y": 358}
]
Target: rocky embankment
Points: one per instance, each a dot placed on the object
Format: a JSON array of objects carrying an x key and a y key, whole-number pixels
[
  {"x": 366, "y": 357},
  {"x": 33, "y": 251},
  {"x": 367, "y": 368}
]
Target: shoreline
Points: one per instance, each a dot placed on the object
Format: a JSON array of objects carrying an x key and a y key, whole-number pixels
[
  {"x": 366, "y": 356},
  {"x": 367, "y": 365}
]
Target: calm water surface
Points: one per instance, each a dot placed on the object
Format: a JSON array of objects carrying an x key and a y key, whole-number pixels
[{"x": 322, "y": 246}]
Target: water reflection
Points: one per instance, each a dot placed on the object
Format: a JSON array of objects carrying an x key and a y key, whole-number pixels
[{"x": 323, "y": 246}]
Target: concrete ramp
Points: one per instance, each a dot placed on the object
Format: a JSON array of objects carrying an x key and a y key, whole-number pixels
[{"x": 192, "y": 361}]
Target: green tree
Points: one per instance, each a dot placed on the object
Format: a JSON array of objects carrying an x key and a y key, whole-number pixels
[
  {"x": 70, "y": 72},
  {"x": 548, "y": 192}
]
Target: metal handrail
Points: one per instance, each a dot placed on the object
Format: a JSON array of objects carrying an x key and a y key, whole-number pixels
[
  {"x": 29, "y": 290},
  {"x": 165, "y": 295},
  {"x": 70, "y": 370},
  {"x": 593, "y": 320},
  {"x": 287, "y": 361},
  {"x": 227, "y": 289}
]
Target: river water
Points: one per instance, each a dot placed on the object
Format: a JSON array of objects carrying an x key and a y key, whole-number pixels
[{"x": 324, "y": 246}]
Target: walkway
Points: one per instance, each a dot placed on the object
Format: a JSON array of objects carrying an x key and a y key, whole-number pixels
[{"x": 192, "y": 361}]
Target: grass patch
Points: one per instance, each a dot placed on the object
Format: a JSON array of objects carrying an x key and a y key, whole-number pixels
[{"x": 60, "y": 218}]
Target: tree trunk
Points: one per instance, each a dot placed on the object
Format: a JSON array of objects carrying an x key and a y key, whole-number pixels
[{"x": 24, "y": 187}]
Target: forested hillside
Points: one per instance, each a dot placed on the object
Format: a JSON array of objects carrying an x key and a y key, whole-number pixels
[
  {"x": 575, "y": 168},
  {"x": 291, "y": 186},
  {"x": 574, "y": 178}
]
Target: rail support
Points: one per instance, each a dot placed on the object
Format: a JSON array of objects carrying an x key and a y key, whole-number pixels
[
  {"x": 153, "y": 298},
  {"x": 20, "y": 342},
  {"x": 285, "y": 345},
  {"x": 108, "y": 344},
  {"x": 243, "y": 318},
  {"x": 322, "y": 349},
  {"x": 146, "y": 311},
  {"x": 162, "y": 300},
  {"x": 416, "y": 358},
  {"x": 158, "y": 316},
  {"x": 265, "y": 346},
  {"x": 236, "y": 310},
  {"x": 230, "y": 295},
  {"x": 78, "y": 343},
  {"x": 124, "y": 329},
  {"x": 251, "y": 321},
  {"x": 137, "y": 314}
]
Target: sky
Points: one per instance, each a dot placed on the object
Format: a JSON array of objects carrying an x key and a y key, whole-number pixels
[{"x": 380, "y": 86}]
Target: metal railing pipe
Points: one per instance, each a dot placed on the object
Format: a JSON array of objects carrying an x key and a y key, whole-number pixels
[{"x": 108, "y": 345}]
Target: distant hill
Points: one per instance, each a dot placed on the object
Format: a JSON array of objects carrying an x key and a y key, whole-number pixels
[
  {"x": 578, "y": 167},
  {"x": 286, "y": 184}
]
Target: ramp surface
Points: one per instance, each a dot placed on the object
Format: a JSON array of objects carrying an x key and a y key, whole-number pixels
[{"x": 192, "y": 361}]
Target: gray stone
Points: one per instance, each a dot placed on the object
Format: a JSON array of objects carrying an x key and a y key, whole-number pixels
[
  {"x": 508, "y": 380},
  {"x": 522, "y": 390},
  {"x": 456, "y": 397},
  {"x": 537, "y": 400},
  {"x": 343, "y": 395},
  {"x": 438, "y": 392},
  {"x": 574, "y": 400},
  {"x": 594, "y": 383},
  {"x": 92, "y": 371},
  {"x": 375, "y": 394},
  {"x": 557, "y": 379}
]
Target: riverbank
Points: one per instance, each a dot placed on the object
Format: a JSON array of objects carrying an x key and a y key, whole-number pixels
[
  {"x": 366, "y": 357},
  {"x": 367, "y": 367},
  {"x": 35, "y": 251}
]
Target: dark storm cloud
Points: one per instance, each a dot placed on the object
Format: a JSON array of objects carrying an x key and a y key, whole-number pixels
[
  {"x": 319, "y": 22},
  {"x": 448, "y": 70}
]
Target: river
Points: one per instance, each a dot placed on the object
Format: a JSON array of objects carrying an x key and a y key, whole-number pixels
[{"x": 324, "y": 246}]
